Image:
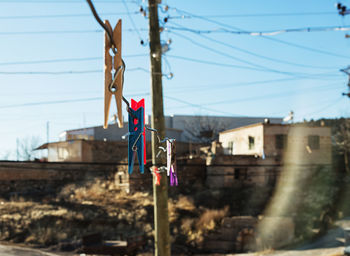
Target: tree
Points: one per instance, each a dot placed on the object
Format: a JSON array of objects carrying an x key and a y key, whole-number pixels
[
  {"x": 26, "y": 147},
  {"x": 342, "y": 140},
  {"x": 204, "y": 129}
]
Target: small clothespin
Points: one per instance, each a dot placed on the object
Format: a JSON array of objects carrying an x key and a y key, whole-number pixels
[
  {"x": 113, "y": 82},
  {"x": 136, "y": 140},
  {"x": 171, "y": 161},
  {"x": 135, "y": 105},
  {"x": 157, "y": 175}
]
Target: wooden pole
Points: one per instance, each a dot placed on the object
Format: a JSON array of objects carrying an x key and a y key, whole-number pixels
[{"x": 160, "y": 193}]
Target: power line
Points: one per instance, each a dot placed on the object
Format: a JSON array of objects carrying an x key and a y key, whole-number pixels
[
  {"x": 258, "y": 67},
  {"x": 63, "y": 72},
  {"x": 265, "y": 33},
  {"x": 200, "y": 106},
  {"x": 132, "y": 21},
  {"x": 247, "y": 15},
  {"x": 63, "y": 60},
  {"x": 269, "y": 38},
  {"x": 57, "y": 1},
  {"x": 60, "y": 32},
  {"x": 60, "y": 101},
  {"x": 256, "y": 54},
  {"x": 53, "y": 16}
]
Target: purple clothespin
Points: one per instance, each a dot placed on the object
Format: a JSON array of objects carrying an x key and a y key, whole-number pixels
[{"x": 171, "y": 161}]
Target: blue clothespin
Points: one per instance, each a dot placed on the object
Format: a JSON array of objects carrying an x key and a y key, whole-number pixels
[{"x": 136, "y": 143}]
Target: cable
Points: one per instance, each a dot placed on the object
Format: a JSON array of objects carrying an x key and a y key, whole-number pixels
[
  {"x": 333, "y": 103},
  {"x": 257, "y": 15},
  {"x": 259, "y": 67},
  {"x": 59, "y": 102},
  {"x": 200, "y": 106},
  {"x": 220, "y": 64},
  {"x": 57, "y": 1},
  {"x": 265, "y": 33},
  {"x": 49, "y": 72},
  {"x": 53, "y": 16},
  {"x": 62, "y": 72},
  {"x": 269, "y": 38},
  {"x": 63, "y": 60},
  {"x": 255, "y": 54},
  {"x": 269, "y": 96},
  {"x": 132, "y": 21}
]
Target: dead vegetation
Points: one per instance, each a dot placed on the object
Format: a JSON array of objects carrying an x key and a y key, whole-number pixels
[{"x": 60, "y": 222}]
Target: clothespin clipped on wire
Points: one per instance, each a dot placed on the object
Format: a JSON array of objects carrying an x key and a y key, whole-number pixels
[
  {"x": 171, "y": 161},
  {"x": 171, "y": 157},
  {"x": 136, "y": 136},
  {"x": 135, "y": 105},
  {"x": 114, "y": 71}
]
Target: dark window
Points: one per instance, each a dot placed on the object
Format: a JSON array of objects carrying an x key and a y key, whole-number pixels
[
  {"x": 251, "y": 141},
  {"x": 314, "y": 141},
  {"x": 281, "y": 141},
  {"x": 241, "y": 174}
]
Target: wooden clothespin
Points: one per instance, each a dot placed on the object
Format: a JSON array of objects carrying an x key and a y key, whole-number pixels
[{"x": 113, "y": 63}]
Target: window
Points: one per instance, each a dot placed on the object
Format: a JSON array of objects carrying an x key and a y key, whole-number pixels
[
  {"x": 241, "y": 174},
  {"x": 314, "y": 141},
  {"x": 230, "y": 147},
  {"x": 281, "y": 141},
  {"x": 251, "y": 142}
]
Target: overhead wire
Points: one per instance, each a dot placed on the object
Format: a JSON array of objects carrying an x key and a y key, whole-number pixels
[
  {"x": 264, "y": 33},
  {"x": 265, "y": 37},
  {"x": 256, "y": 67},
  {"x": 255, "y": 54},
  {"x": 54, "y": 16},
  {"x": 256, "y": 15},
  {"x": 63, "y": 60}
]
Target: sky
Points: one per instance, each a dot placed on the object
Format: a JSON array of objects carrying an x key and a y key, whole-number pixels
[{"x": 51, "y": 61}]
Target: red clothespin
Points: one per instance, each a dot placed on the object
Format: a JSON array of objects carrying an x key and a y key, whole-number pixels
[
  {"x": 135, "y": 105},
  {"x": 156, "y": 175},
  {"x": 113, "y": 63}
]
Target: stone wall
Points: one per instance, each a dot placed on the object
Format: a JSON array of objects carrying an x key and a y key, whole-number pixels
[{"x": 27, "y": 178}]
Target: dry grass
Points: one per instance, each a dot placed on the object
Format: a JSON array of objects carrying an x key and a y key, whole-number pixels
[{"x": 210, "y": 218}]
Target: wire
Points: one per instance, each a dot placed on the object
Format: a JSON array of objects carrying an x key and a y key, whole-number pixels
[
  {"x": 333, "y": 103},
  {"x": 49, "y": 72},
  {"x": 62, "y": 15},
  {"x": 268, "y": 38},
  {"x": 63, "y": 60},
  {"x": 255, "y": 54},
  {"x": 274, "y": 95},
  {"x": 132, "y": 20},
  {"x": 200, "y": 106},
  {"x": 256, "y": 15},
  {"x": 264, "y": 33},
  {"x": 63, "y": 72},
  {"x": 57, "y": 1},
  {"x": 59, "y": 102},
  {"x": 61, "y": 32},
  {"x": 220, "y": 64},
  {"x": 259, "y": 67}
]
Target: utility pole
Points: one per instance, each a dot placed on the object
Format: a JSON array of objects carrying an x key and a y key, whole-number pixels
[{"x": 160, "y": 192}]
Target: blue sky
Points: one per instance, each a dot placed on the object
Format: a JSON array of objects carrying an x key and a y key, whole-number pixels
[{"x": 215, "y": 73}]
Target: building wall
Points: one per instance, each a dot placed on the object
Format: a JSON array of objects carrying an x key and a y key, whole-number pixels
[
  {"x": 298, "y": 150},
  {"x": 65, "y": 151},
  {"x": 234, "y": 170},
  {"x": 240, "y": 139}
]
